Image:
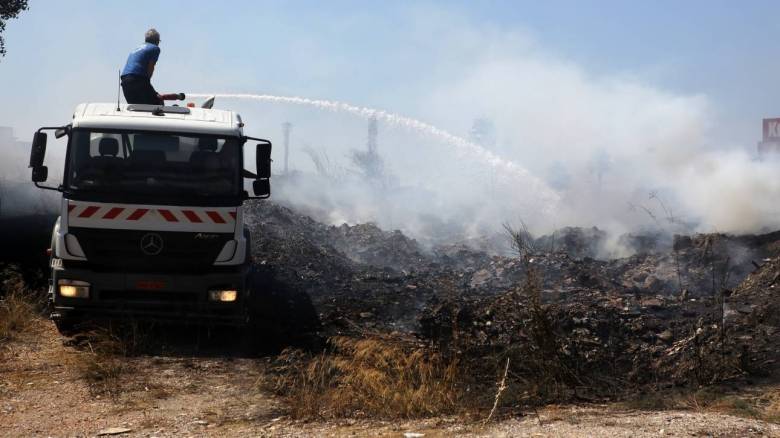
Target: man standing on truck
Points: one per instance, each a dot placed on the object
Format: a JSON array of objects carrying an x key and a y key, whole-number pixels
[{"x": 137, "y": 74}]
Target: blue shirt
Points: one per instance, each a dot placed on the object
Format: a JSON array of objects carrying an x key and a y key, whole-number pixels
[{"x": 138, "y": 61}]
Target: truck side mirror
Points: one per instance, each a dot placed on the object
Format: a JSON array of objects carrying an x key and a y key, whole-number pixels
[
  {"x": 40, "y": 174},
  {"x": 263, "y": 158},
  {"x": 262, "y": 188},
  {"x": 38, "y": 149}
]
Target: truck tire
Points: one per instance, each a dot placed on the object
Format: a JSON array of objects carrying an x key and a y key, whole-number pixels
[{"x": 67, "y": 326}]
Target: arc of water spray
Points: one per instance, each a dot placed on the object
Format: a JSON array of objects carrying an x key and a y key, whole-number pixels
[{"x": 463, "y": 146}]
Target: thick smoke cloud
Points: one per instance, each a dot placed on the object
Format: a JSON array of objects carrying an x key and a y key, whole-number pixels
[
  {"x": 18, "y": 195},
  {"x": 618, "y": 152},
  {"x": 730, "y": 191}
]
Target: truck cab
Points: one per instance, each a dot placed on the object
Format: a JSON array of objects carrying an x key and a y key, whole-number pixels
[{"x": 151, "y": 221}]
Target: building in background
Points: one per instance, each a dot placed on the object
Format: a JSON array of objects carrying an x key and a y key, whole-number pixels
[
  {"x": 6, "y": 135},
  {"x": 770, "y": 144},
  {"x": 16, "y": 156},
  {"x": 18, "y": 195}
]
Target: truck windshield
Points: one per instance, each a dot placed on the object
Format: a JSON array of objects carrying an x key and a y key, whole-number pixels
[{"x": 152, "y": 164}]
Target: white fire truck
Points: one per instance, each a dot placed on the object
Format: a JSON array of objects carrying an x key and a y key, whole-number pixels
[{"x": 151, "y": 221}]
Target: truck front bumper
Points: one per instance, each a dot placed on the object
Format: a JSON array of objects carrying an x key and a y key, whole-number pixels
[{"x": 160, "y": 297}]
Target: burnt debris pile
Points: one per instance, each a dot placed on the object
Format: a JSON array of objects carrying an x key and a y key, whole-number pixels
[{"x": 687, "y": 310}]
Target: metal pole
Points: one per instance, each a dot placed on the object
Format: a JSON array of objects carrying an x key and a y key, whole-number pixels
[
  {"x": 372, "y": 134},
  {"x": 286, "y": 127}
]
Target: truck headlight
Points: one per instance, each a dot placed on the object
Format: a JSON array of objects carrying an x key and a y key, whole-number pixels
[
  {"x": 73, "y": 288},
  {"x": 223, "y": 295}
]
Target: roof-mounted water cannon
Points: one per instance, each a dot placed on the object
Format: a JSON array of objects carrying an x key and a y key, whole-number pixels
[{"x": 208, "y": 103}]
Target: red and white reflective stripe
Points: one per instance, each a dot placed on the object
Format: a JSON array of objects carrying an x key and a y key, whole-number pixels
[
  {"x": 113, "y": 213},
  {"x": 135, "y": 214},
  {"x": 215, "y": 216},
  {"x": 168, "y": 215},
  {"x": 89, "y": 211},
  {"x": 192, "y": 216}
]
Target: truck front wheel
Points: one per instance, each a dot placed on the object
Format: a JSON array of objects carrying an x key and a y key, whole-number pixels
[{"x": 67, "y": 326}]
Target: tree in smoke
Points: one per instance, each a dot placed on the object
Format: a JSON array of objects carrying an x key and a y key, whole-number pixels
[
  {"x": 9, "y": 9},
  {"x": 369, "y": 165}
]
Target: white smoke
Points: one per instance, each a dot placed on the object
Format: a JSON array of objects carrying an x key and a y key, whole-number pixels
[
  {"x": 572, "y": 148},
  {"x": 18, "y": 195},
  {"x": 463, "y": 147},
  {"x": 730, "y": 191},
  {"x": 440, "y": 185},
  {"x": 614, "y": 146}
]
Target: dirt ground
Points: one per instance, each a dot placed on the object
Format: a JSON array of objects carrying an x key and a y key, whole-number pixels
[{"x": 44, "y": 392}]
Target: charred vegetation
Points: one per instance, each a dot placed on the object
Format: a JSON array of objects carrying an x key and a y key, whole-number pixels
[{"x": 571, "y": 326}]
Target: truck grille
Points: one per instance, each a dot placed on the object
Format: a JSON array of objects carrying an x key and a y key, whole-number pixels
[
  {"x": 121, "y": 249},
  {"x": 148, "y": 296}
]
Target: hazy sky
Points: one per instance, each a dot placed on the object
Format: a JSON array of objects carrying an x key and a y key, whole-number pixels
[{"x": 388, "y": 54}]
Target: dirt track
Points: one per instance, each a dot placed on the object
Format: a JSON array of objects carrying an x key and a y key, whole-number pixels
[{"x": 42, "y": 393}]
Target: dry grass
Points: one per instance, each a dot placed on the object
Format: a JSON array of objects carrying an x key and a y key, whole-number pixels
[
  {"x": 103, "y": 360},
  {"x": 772, "y": 409},
  {"x": 762, "y": 405},
  {"x": 101, "y": 356},
  {"x": 374, "y": 376},
  {"x": 19, "y": 306},
  {"x": 661, "y": 401},
  {"x": 392, "y": 376},
  {"x": 100, "y": 362},
  {"x": 18, "y": 313},
  {"x": 738, "y": 406}
]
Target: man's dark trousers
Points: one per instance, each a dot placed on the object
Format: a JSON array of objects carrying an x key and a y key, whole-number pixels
[{"x": 138, "y": 89}]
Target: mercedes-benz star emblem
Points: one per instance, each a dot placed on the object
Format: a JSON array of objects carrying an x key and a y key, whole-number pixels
[{"x": 151, "y": 244}]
